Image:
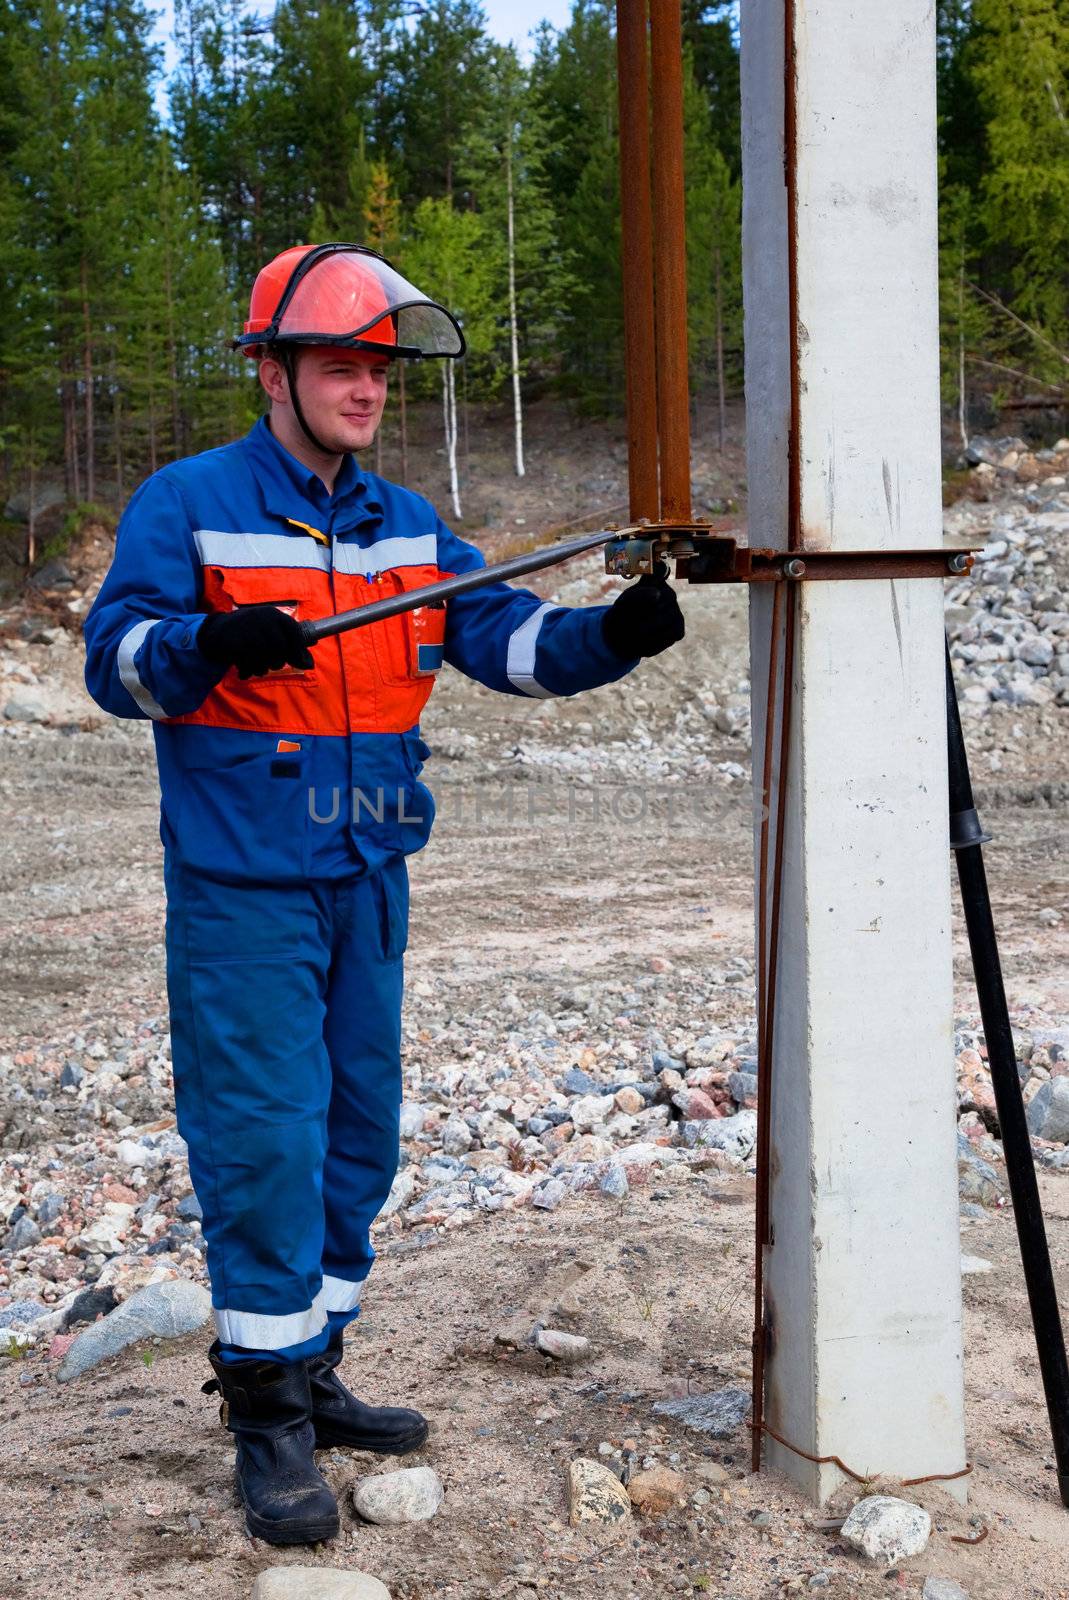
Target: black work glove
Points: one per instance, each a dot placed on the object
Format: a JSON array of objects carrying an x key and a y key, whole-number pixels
[
  {"x": 255, "y": 639},
  {"x": 645, "y": 619}
]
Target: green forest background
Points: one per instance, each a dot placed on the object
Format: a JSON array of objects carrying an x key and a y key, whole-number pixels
[{"x": 131, "y": 236}]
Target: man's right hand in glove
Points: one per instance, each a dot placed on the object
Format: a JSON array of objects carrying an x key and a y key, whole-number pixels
[
  {"x": 255, "y": 639},
  {"x": 644, "y": 619}
]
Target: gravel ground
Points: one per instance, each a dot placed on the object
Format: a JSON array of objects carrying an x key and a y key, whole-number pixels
[{"x": 579, "y": 1032}]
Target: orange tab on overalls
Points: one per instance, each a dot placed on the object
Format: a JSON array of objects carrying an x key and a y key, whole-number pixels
[{"x": 286, "y": 744}]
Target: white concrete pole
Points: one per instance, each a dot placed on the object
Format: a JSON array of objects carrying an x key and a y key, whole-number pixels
[{"x": 863, "y": 1282}]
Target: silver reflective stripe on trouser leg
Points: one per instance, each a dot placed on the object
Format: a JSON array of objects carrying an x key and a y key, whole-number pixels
[
  {"x": 523, "y": 645},
  {"x": 129, "y": 645},
  {"x": 254, "y": 1330},
  {"x": 340, "y": 1294}
]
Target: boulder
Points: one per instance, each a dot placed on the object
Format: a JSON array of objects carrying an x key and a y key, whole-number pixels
[
  {"x": 887, "y": 1530},
  {"x": 412, "y": 1494},
  {"x": 163, "y": 1310},
  {"x": 317, "y": 1583},
  {"x": 718, "y": 1414},
  {"x": 596, "y": 1495},
  {"x": 656, "y": 1491}
]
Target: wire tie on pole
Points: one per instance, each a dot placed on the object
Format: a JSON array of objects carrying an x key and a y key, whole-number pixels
[{"x": 862, "y": 1477}]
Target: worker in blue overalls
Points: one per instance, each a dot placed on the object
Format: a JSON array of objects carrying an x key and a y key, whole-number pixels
[{"x": 290, "y": 796}]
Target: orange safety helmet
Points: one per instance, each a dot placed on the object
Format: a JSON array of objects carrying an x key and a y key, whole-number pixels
[{"x": 345, "y": 294}]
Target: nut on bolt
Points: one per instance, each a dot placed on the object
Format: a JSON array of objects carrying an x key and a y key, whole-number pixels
[
  {"x": 961, "y": 562},
  {"x": 794, "y": 568}
]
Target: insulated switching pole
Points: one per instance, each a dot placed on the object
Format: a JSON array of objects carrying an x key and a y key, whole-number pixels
[{"x": 860, "y": 1352}]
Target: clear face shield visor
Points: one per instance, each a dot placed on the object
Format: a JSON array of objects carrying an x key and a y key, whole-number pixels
[{"x": 345, "y": 294}]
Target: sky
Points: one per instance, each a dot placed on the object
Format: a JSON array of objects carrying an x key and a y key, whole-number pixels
[{"x": 507, "y": 20}]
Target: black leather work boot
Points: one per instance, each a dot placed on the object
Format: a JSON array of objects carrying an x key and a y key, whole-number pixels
[
  {"x": 268, "y": 1408},
  {"x": 341, "y": 1419}
]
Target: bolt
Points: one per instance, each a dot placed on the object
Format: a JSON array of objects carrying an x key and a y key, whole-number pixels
[
  {"x": 794, "y": 568},
  {"x": 959, "y": 563}
]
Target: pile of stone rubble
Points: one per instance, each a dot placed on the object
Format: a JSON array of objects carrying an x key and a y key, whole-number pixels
[
  {"x": 531, "y": 1109},
  {"x": 1009, "y": 620}
]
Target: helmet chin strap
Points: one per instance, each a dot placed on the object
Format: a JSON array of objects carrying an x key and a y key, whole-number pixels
[{"x": 287, "y": 354}]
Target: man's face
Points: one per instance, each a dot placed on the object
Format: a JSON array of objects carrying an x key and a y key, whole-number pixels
[{"x": 342, "y": 394}]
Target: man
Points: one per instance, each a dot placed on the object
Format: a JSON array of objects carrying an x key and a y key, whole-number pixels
[{"x": 287, "y": 905}]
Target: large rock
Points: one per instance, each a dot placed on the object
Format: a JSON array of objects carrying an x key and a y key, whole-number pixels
[
  {"x": 391, "y": 1498},
  {"x": 23, "y": 1313},
  {"x": 887, "y": 1530},
  {"x": 942, "y": 1589},
  {"x": 596, "y": 1495},
  {"x": 25, "y": 708},
  {"x": 719, "y": 1414},
  {"x": 591, "y": 1109},
  {"x": 46, "y": 497},
  {"x": 456, "y": 1137},
  {"x": 695, "y": 1105},
  {"x": 562, "y": 1346},
  {"x": 107, "y": 1235},
  {"x": 977, "y": 1178},
  {"x": 163, "y": 1310},
  {"x": 24, "y": 1233},
  {"x": 742, "y": 1087},
  {"x": 1048, "y": 1111},
  {"x": 90, "y": 1304},
  {"x": 736, "y": 1135},
  {"x": 317, "y": 1583},
  {"x": 656, "y": 1491}
]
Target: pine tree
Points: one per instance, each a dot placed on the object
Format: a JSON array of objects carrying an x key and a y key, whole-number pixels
[
  {"x": 714, "y": 253},
  {"x": 1021, "y": 69},
  {"x": 441, "y": 69},
  {"x": 574, "y": 89},
  {"x": 710, "y": 39}
]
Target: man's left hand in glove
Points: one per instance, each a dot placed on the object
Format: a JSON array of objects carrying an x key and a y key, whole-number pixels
[{"x": 645, "y": 619}]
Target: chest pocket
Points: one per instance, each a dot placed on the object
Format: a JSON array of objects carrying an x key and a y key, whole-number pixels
[
  {"x": 301, "y": 592},
  {"x": 410, "y": 646}
]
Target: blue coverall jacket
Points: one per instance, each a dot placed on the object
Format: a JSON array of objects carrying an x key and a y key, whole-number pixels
[{"x": 288, "y": 803}]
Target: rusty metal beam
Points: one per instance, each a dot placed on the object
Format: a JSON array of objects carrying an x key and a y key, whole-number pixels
[
  {"x": 670, "y": 265},
  {"x": 636, "y": 215}
]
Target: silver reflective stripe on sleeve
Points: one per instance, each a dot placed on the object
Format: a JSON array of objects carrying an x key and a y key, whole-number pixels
[
  {"x": 255, "y": 1330},
  {"x": 259, "y": 550},
  {"x": 339, "y": 1294},
  {"x": 523, "y": 645},
  {"x": 420, "y": 550},
  {"x": 129, "y": 645}
]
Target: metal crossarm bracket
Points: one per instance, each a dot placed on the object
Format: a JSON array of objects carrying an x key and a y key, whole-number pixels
[{"x": 705, "y": 554}]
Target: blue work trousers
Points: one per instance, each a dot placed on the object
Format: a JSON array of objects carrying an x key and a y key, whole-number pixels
[{"x": 286, "y": 1043}]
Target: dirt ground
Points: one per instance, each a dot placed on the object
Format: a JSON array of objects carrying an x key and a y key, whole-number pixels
[{"x": 119, "y": 1485}]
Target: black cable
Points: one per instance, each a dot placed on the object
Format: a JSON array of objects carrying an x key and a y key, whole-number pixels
[{"x": 967, "y": 839}]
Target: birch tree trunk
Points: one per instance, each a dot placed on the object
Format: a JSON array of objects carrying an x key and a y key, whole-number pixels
[
  {"x": 517, "y": 402},
  {"x": 152, "y": 455},
  {"x": 120, "y": 463},
  {"x": 467, "y": 430},
  {"x": 72, "y": 464},
  {"x": 962, "y": 424},
  {"x": 404, "y": 429},
  {"x": 719, "y": 348},
  {"x": 87, "y": 374},
  {"x": 172, "y": 359},
  {"x": 31, "y": 514},
  {"x": 449, "y": 413}
]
